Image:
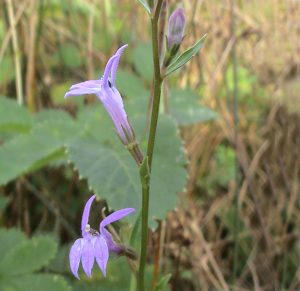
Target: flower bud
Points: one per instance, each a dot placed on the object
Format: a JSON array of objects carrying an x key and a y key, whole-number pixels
[{"x": 176, "y": 28}]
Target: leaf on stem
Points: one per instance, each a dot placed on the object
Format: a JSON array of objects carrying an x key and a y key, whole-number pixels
[
  {"x": 185, "y": 56},
  {"x": 146, "y": 6}
]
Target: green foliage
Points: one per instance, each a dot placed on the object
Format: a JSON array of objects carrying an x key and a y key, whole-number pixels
[
  {"x": 186, "y": 110},
  {"x": 142, "y": 61},
  {"x": 111, "y": 172},
  {"x": 185, "y": 56},
  {"x": 36, "y": 149},
  {"x": 20, "y": 257},
  {"x": 9, "y": 239},
  {"x": 129, "y": 84},
  {"x": 118, "y": 278},
  {"x": 36, "y": 282},
  {"x": 13, "y": 117},
  {"x": 162, "y": 285},
  {"x": 28, "y": 256}
]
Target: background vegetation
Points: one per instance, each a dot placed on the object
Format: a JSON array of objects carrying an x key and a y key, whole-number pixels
[{"x": 236, "y": 105}]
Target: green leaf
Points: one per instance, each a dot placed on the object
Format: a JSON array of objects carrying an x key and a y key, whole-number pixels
[
  {"x": 28, "y": 256},
  {"x": 28, "y": 152},
  {"x": 111, "y": 172},
  {"x": 14, "y": 117},
  {"x": 36, "y": 282},
  {"x": 142, "y": 60},
  {"x": 145, "y": 5},
  {"x": 129, "y": 84},
  {"x": 10, "y": 238},
  {"x": 186, "y": 109},
  {"x": 185, "y": 56},
  {"x": 162, "y": 285}
]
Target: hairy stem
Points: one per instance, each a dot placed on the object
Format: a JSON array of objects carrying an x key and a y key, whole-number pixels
[{"x": 151, "y": 143}]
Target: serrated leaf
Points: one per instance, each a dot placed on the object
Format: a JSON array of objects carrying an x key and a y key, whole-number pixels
[
  {"x": 28, "y": 256},
  {"x": 13, "y": 117},
  {"x": 111, "y": 172},
  {"x": 185, "y": 56},
  {"x": 37, "y": 282},
  {"x": 9, "y": 238},
  {"x": 145, "y": 5},
  {"x": 31, "y": 151},
  {"x": 186, "y": 109}
]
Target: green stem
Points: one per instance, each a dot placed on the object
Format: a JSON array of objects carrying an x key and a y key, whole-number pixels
[{"x": 146, "y": 166}]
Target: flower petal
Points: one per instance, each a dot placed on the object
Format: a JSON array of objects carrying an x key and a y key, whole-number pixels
[
  {"x": 113, "y": 103},
  {"x": 87, "y": 257},
  {"x": 116, "y": 63},
  {"x": 87, "y": 87},
  {"x": 117, "y": 215},
  {"x": 101, "y": 253},
  {"x": 85, "y": 216},
  {"x": 74, "y": 256},
  {"x": 112, "y": 246},
  {"x": 107, "y": 71},
  {"x": 87, "y": 84}
]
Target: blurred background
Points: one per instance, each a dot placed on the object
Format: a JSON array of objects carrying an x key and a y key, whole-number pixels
[{"x": 243, "y": 149}]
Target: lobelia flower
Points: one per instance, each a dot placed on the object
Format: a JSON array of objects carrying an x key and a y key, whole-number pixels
[
  {"x": 176, "y": 28},
  {"x": 93, "y": 244},
  {"x": 105, "y": 89}
]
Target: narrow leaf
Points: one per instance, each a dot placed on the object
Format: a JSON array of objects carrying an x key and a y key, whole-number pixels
[
  {"x": 163, "y": 282},
  {"x": 185, "y": 56},
  {"x": 146, "y": 6}
]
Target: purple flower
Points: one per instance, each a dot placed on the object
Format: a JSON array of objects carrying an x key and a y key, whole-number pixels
[
  {"x": 176, "y": 28},
  {"x": 105, "y": 89},
  {"x": 93, "y": 244}
]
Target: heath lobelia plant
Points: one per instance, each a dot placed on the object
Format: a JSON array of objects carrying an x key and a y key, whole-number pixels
[{"x": 96, "y": 245}]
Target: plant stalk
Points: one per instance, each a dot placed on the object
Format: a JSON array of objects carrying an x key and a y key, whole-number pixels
[{"x": 145, "y": 181}]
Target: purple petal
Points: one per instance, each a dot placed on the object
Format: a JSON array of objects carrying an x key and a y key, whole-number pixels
[
  {"x": 112, "y": 246},
  {"x": 117, "y": 215},
  {"x": 112, "y": 101},
  {"x": 77, "y": 92},
  {"x": 107, "y": 71},
  {"x": 101, "y": 253},
  {"x": 116, "y": 63},
  {"x": 74, "y": 256},
  {"x": 87, "y": 257},
  {"x": 85, "y": 216},
  {"x": 83, "y": 88},
  {"x": 87, "y": 84}
]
